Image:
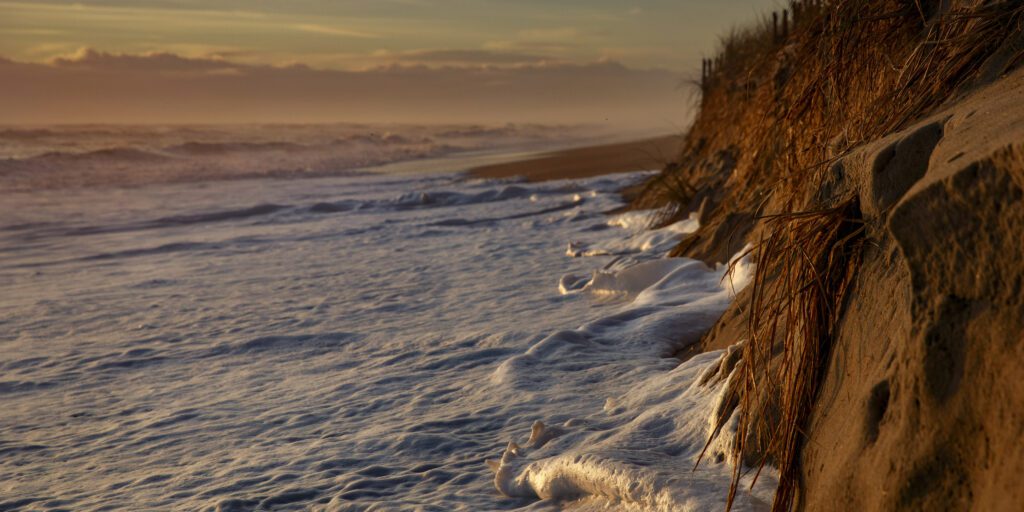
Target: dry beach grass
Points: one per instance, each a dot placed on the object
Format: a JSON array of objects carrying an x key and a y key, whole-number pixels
[{"x": 779, "y": 108}]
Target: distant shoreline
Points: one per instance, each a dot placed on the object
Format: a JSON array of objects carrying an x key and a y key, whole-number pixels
[
  {"x": 584, "y": 162},
  {"x": 102, "y": 156},
  {"x": 130, "y": 167}
]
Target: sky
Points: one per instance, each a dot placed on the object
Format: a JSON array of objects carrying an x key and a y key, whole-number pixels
[{"x": 179, "y": 61}]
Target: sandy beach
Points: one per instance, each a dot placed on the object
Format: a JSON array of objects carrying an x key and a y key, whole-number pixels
[{"x": 574, "y": 163}]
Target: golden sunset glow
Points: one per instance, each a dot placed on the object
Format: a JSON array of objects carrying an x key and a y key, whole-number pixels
[{"x": 408, "y": 60}]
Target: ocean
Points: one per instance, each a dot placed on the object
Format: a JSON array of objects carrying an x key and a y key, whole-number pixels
[{"x": 371, "y": 341}]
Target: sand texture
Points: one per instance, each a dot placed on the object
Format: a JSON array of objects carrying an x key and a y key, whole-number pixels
[
  {"x": 924, "y": 397},
  {"x": 641, "y": 155},
  {"x": 922, "y": 405}
]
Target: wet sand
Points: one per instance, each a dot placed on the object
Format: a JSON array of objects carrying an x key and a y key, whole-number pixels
[{"x": 574, "y": 163}]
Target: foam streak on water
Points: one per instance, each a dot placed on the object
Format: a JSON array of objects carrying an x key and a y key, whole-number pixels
[{"x": 354, "y": 343}]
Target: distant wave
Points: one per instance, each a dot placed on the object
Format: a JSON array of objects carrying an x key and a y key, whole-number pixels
[
  {"x": 334, "y": 207},
  {"x": 220, "y": 148},
  {"x": 482, "y": 131},
  {"x": 386, "y": 139},
  {"x": 32, "y": 133},
  {"x": 408, "y": 201},
  {"x": 260, "y": 209},
  {"x": 124, "y": 154},
  {"x": 487, "y": 220},
  {"x": 162, "y": 249},
  {"x": 34, "y": 158}
]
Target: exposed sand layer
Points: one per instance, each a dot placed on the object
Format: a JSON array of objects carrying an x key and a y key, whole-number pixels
[
  {"x": 922, "y": 405},
  {"x": 575, "y": 163},
  {"x": 924, "y": 397}
]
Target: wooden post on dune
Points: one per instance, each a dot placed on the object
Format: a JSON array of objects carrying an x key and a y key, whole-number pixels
[
  {"x": 775, "y": 26},
  {"x": 703, "y": 74},
  {"x": 785, "y": 24}
]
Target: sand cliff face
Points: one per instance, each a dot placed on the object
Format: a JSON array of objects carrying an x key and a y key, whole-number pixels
[
  {"x": 922, "y": 406},
  {"x": 871, "y": 156}
]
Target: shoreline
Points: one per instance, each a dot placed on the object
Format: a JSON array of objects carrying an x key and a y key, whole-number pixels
[
  {"x": 537, "y": 164},
  {"x": 588, "y": 161}
]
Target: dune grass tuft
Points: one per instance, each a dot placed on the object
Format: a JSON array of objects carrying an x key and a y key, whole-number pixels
[{"x": 794, "y": 310}]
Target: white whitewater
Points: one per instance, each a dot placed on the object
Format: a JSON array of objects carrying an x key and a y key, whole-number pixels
[
  {"x": 366, "y": 342},
  {"x": 640, "y": 449}
]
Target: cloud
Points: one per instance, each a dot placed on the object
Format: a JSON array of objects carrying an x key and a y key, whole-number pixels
[
  {"x": 554, "y": 41},
  {"x": 156, "y": 63},
  {"x": 49, "y": 32},
  {"x": 331, "y": 31},
  {"x": 470, "y": 57},
  {"x": 547, "y": 35},
  {"x": 93, "y": 86}
]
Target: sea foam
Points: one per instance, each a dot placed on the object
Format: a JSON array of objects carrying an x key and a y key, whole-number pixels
[
  {"x": 363, "y": 342},
  {"x": 640, "y": 450}
]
